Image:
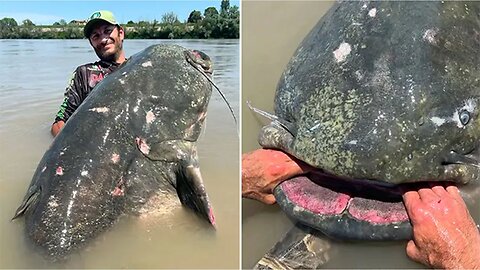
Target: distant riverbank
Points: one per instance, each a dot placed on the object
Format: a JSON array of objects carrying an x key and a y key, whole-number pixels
[
  {"x": 228, "y": 30},
  {"x": 209, "y": 25}
]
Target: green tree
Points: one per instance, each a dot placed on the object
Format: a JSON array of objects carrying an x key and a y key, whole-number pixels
[
  {"x": 143, "y": 23},
  {"x": 210, "y": 12},
  {"x": 8, "y": 27},
  {"x": 224, "y": 7},
  {"x": 170, "y": 18},
  {"x": 27, "y": 30},
  {"x": 211, "y": 25},
  {"x": 234, "y": 13},
  {"x": 8, "y": 22},
  {"x": 72, "y": 32},
  {"x": 27, "y": 23},
  {"x": 194, "y": 17}
]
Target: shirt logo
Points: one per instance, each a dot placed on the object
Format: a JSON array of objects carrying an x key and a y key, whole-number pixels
[{"x": 94, "y": 79}]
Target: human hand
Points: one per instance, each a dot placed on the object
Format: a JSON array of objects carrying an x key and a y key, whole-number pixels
[
  {"x": 444, "y": 233},
  {"x": 264, "y": 169},
  {"x": 57, "y": 127}
]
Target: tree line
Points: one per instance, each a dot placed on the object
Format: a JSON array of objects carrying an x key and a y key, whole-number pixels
[{"x": 211, "y": 24}]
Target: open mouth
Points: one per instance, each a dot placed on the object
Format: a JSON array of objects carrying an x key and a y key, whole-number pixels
[
  {"x": 348, "y": 209},
  {"x": 345, "y": 208}
]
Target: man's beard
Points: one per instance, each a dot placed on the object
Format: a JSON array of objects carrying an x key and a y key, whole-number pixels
[{"x": 110, "y": 57}]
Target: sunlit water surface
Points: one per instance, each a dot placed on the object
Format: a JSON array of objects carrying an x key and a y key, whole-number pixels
[{"x": 33, "y": 76}]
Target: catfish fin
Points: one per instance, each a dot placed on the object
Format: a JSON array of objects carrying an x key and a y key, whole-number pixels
[
  {"x": 191, "y": 191},
  {"x": 30, "y": 200},
  {"x": 301, "y": 248},
  {"x": 189, "y": 183}
]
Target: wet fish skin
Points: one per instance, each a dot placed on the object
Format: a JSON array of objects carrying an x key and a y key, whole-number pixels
[
  {"x": 378, "y": 90},
  {"x": 133, "y": 138}
]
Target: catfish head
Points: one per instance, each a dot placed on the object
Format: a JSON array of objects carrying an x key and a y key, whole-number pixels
[{"x": 374, "y": 102}]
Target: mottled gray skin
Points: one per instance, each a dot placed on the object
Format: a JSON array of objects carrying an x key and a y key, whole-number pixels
[
  {"x": 376, "y": 88},
  {"x": 387, "y": 91},
  {"x": 131, "y": 139}
]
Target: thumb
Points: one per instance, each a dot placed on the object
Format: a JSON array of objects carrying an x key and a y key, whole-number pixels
[
  {"x": 413, "y": 252},
  {"x": 259, "y": 196},
  {"x": 269, "y": 199}
]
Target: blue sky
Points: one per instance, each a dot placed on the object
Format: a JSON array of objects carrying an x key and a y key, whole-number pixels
[{"x": 48, "y": 12}]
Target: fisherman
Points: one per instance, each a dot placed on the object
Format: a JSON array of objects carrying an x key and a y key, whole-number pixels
[
  {"x": 444, "y": 233},
  {"x": 106, "y": 38}
]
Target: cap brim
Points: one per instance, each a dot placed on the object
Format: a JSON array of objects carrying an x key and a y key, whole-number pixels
[{"x": 87, "y": 30}]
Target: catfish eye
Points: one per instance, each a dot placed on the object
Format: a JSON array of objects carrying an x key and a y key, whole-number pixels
[{"x": 464, "y": 117}]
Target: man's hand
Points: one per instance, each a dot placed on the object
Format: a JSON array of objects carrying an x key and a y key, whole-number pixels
[
  {"x": 444, "y": 233},
  {"x": 56, "y": 127},
  {"x": 264, "y": 169}
]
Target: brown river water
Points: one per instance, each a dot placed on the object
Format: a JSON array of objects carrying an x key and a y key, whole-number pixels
[
  {"x": 33, "y": 77},
  {"x": 268, "y": 42}
]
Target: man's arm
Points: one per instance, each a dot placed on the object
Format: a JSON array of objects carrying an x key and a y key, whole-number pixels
[
  {"x": 444, "y": 234},
  {"x": 73, "y": 98}
]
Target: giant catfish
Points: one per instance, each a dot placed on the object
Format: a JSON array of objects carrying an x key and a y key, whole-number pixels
[
  {"x": 378, "y": 95},
  {"x": 132, "y": 138}
]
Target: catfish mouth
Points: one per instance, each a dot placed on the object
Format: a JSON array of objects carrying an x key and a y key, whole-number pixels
[{"x": 349, "y": 209}]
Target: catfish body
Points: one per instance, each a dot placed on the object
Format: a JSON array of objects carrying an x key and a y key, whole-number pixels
[{"x": 132, "y": 138}]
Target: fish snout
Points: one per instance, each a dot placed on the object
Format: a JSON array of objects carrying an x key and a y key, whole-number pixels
[{"x": 200, "y": 60}]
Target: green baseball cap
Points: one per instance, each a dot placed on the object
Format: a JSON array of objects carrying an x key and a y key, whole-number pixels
[{"x": 101, "y": 15}]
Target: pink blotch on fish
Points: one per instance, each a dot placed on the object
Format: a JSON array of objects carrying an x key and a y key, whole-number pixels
[
  {"x": 118, "y": 192},
  {"x": 150, "y": 117},
  {"x": 59, "y": 171},
  {"x": 142, "y": 146},
  {"x": 212, "y": 218},
  {"x": 119, "y": 189},
  {"x": 115, "y": 158},
  {"x": 202, "y": 116}
]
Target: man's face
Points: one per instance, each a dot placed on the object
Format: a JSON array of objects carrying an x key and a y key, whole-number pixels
[{"x": 107, "y": 39}]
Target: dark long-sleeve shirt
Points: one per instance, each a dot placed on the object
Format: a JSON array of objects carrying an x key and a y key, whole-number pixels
[{"x": 83, "y": 80}]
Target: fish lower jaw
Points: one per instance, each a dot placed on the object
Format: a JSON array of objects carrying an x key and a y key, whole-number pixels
[{"x": 345, "y": 212}]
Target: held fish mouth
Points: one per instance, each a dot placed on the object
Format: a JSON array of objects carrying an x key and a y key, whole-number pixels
[{"x": 349, "y": 209}]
